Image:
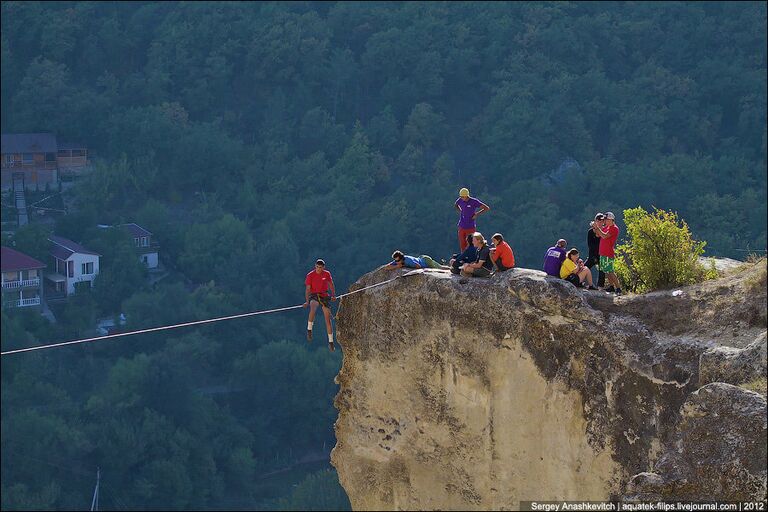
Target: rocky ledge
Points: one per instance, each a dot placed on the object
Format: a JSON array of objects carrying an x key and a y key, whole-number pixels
[{"x": 481, "y": 393}]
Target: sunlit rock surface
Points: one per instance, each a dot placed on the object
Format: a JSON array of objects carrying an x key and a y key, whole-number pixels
[{"x": 476, "y": 394}]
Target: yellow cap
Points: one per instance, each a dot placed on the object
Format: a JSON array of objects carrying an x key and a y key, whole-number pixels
[{"x": 464, "y": 192}]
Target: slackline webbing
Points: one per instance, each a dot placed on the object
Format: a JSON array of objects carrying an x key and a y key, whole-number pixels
[{"x": 187, "y": 324}]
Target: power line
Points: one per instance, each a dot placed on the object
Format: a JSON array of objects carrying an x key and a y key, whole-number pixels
[
  {"x": 187, "y": 324},
  {"x": 95, "y": 500}
]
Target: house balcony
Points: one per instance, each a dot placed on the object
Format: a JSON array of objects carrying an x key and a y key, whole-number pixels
[
  {"x": 152, "y": 247},
  {"x": 22, "y": 283},
  {"x": 22, "y": 303},
  {"x": 30, "y": 165}
]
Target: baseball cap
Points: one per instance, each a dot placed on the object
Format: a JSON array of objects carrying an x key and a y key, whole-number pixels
[
  {"x": 610, "y": 215},
  {"x": 320, "y": 262},
  {"x": 464, "y": 192},
  {"x": 562, "y": 240},
  {"x": 599, "y": 216}
]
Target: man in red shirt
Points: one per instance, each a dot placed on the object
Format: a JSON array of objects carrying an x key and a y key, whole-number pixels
[
  {"x": 316, "y": 294},
  {"x": 608, "y": 237},
  {"x": 502, "y": 255}
]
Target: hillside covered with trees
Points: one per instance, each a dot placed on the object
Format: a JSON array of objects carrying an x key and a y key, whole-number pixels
[{"x": 253, "y": 138}]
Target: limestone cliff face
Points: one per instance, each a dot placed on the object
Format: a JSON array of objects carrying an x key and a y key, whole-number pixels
[{"x": 477, "y": 394}]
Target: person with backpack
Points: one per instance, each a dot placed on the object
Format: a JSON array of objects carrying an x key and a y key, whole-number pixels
[{"x": 468, "y": 256}]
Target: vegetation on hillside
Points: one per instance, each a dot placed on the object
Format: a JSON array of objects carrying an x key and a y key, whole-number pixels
[{"x": 252, "y": 138}]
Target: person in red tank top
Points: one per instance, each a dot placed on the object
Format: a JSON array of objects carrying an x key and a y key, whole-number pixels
[{"x": 317, "y": 283}]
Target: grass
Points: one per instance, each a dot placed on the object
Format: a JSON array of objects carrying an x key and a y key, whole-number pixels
[
  {"x": 758, "y": 280},
  {"x": 759, "y": 385}
]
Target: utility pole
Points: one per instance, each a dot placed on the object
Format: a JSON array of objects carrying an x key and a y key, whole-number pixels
[{"x": 95, "y": 501}]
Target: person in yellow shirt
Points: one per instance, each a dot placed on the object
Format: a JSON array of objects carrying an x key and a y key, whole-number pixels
[{"x": 574, "y": 271}]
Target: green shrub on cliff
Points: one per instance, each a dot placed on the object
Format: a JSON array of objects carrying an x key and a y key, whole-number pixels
[{"x": 660, "y": 253}]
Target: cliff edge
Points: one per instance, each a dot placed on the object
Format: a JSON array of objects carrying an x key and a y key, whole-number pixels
[{"x": 481, "y": 393}]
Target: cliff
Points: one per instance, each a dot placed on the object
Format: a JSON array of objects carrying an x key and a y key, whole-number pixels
[{"x": 477, "y": 394}]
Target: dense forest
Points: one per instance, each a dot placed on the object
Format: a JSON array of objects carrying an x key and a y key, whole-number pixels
[{"x": 253, "y": 138}]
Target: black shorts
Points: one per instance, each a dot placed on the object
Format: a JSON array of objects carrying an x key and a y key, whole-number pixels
[
  {"x": 481, "y": 272},
  {"x": 592, "y": 261},
  {"x": 323, "y": 300},
  {"x": 574, "y": 280}
]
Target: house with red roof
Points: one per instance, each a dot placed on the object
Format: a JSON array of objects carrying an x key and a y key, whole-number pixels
[
  {"x": 73, "y": 265},
  {"x": 22, "y": 284}
]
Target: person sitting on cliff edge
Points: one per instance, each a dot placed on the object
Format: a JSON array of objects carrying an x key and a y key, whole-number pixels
[
  {"x": 468, "y": 256},
  {"x": 501, "y": 255},
  {"x": 400, "y": 260},
  {"x": 554, "y": 257},
  {"x": 575, "y": 271},
  {"x": 482, "y": 266}
]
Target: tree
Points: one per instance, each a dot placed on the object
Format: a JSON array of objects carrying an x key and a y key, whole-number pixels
[
  {"x": 660, "y": 253},
  {"x": 122, "y": 273},
  {"x": 318, "y": 491},
  {"x": 46, "y": 84},
  {"x": 424, "y": 127},
  {"x": 217, "y": 250},
  {"x": 32, "y": 240},
  {"x": 383, "y": 130},
  {"x": 358, "y": 169}
]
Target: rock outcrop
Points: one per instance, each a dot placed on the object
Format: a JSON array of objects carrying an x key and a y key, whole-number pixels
[
  {"x": 734, "y": 365},
  {"x": 718, "y": 451},
  {"x": 481, "y": 393}
]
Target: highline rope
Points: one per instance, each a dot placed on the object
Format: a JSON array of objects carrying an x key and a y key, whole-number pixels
[{"x": 187, "y": 324}]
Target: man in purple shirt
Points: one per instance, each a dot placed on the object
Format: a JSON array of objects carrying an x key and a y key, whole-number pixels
[
  {"x": 554, "y": 258},
  {"x": 468, "y": 212}
]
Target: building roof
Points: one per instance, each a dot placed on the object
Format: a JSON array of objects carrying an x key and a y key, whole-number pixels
[
  {"x": 28, "y": 143},
  {"x": 60, "y": 252},
  {"x": 12, "y": 260},
  {"x": 135, "y": 230},
  {"x": 63, "y": 248},
  {"x": 56, "y": 277}
]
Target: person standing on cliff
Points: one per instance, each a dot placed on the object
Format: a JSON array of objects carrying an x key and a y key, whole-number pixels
[
  {"x": 469, "y": 208},
  {"x": 593, "y": 243},
  {"x": 554, "y": 258},
  {"x": 317, "y": 283},
  {"x": 608, "y": 237}
]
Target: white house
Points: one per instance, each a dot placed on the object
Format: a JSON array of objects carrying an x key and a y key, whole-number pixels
[
  {"x": 72, "y": 264},
  {"x": 144, "y": 245}
]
